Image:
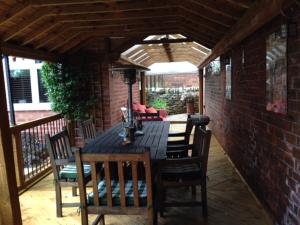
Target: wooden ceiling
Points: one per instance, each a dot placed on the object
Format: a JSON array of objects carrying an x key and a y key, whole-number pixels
[
  {"x": 66, "y": 26},
  {"x": 166, "y": 48}
]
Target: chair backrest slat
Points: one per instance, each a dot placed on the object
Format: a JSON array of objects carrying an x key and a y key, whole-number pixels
[
  {"x": 121, "y": 183},
  {"x": 135, "y": 184},
  {"x": 95, "y": 184},
  {"x": 108, "y": 183},
  {"x": 87, "y": 130},
  {"x": 59, "y": 149},
  {"x": 188, "y": 129},
  {"x": 205, "y": 150},
  {"x": 122, "y": 161}
]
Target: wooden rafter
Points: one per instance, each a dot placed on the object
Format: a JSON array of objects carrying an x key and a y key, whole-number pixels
[
  {"x": 25, "y": 24},
  {"x": 14, "y": 12},
  {"x": 63, "y": 31},
  {"x": 15, "y": 50},
  {"x": 113, "y": 32},
  {"x": 241, "y": 3},
  {"x": 203, "y": 23},
  {"x": 212, "y": 17},
  {"x": 36, "y": 33},
  {"x": 222, "y": 9},
  {"x": 116, "y": 7},
  {"x": 67, "y": 2},
  {"x": 257, "y": 16},
  {"x": 162, "y": 41}
]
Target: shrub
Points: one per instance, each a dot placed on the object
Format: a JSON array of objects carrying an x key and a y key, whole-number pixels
[
  {"x": 159, "y": 104},
  {"x": 68, "y": 89}
]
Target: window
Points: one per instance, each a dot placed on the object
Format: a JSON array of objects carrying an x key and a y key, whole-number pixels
[
  {"x": 42, "y": 90},
  {"x": 21, "y": 86}
]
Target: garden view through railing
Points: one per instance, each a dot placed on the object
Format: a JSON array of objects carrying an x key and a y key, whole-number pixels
[{"x": 29, "y": 145}]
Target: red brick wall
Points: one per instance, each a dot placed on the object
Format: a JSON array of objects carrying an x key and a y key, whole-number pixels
[
  {"x": 110, "y": 93},
  {"x": 119, "y": 95},
  {"x": 264, "y": 146},
  {"x": 174, "y": 80}
]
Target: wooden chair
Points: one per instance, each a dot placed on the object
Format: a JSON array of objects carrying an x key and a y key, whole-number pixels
[
  {"x": 65, "y": 172},
  {"x": 185, "y": 136},
  {"x": 124, "y": 112},
  {"x": 188, "y": 171},
  {"x": 179, "y": 148},
  {"x": 129, "y": 194},
  {"x": 87, "y": 130}
]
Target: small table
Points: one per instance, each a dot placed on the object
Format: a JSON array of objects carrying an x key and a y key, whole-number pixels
[{"x": 155, "y": 138}]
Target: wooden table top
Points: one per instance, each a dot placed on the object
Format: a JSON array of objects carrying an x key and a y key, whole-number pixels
[{"x": 155, "y": 138}]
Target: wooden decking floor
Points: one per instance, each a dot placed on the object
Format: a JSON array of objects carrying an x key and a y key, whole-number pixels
[{"x": 229, "y": 201}]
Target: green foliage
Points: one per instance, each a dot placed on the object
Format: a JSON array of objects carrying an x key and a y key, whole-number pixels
[
  {"x": 159, "y": 104},
  {"x": 68, "y": 89}
]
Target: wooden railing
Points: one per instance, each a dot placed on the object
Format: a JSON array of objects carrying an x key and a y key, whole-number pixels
[{"x": 29, "y": 146}]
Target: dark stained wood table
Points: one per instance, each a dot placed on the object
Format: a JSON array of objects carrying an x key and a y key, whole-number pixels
[{"x": 155, "y": 138}]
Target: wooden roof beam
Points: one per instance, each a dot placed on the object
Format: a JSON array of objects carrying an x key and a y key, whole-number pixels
[
  {"x": 241, "y": 3},
  {"x": 115, "y": 8},
  {"x": 165, "y": 41},
  {"x": 216, "y": 7},
  {"x": 15, "y": 11},
  {"x": 203, "y": 23},
  {"x": 108, "y": 33},
  {"x": 25, "y": 24},
  {"x": 14, "y": 50},
  {"x": 67, "y": 2},
  {"x": 213, "y": 18},
  {"x": 258, "y": 15}
]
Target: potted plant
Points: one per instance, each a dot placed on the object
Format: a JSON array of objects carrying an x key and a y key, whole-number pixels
[
  {"x": 68, "y": 91},
  {"x": 189, "y": 99}
]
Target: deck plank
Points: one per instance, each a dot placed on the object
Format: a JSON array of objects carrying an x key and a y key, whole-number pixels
[{"x": 229, "y": 201}]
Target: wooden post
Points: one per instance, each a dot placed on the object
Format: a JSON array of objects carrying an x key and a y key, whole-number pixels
[
  {"x": 201, "y": 91},
  {"x": 19, "y": 163},
  {"x": 143, "y": 89},
  {"x": 10, "y": 212}
]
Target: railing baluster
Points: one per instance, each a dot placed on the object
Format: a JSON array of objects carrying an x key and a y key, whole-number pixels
[{"x": 29, "y": 146}]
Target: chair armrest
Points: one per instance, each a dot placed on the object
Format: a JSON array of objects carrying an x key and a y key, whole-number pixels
[
  {"x": 74, "y": 149},
  {"x": 64, "y": 162},
  {"x": 185, "y": 160},
  {"x": 177, "y": 134},
  {"x": 179, "y": 147},
  {"x": 177, "y": 142},
  {"x": 177, "y": 153}
]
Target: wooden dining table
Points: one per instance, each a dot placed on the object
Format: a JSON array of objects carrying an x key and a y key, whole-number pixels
[{"x": 155, "y": 138}]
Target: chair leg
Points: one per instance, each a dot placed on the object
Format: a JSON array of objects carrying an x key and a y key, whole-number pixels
[
  {"x": 102, "y": 220},
  {"x": 84, "y": 217},
  {"x": 160, "y": 195},
  {"x": 99, "y": 220},
  {"x": 194, "y": 191},
  {"x": 58, "y": 200},
  {"x": 74, "y": 191},
  {"x": 204, "y": 198},
  {"x": 151, "y": 219}
]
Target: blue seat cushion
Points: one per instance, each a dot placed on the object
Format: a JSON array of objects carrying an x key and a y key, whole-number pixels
[
  {"x": 69, "y": 172},
  {"x": 115, "y": 187}
]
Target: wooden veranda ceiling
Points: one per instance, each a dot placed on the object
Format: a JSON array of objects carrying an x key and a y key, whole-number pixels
[
  {"x": 61, "y": 25},
  {"x": 66, "y": 26},
  {"x": 160, "y": 48}
]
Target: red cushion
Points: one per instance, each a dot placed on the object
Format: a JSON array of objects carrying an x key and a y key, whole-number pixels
[
  {"x": 163, "y": 113},
  {"x": 151, "y": 110},
  {"x": 141, "y": 108},
  {"x": 135, "y": 107}
]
